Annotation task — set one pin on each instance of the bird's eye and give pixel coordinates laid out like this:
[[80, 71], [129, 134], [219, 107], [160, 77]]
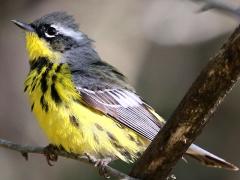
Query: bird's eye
[[51, 32]]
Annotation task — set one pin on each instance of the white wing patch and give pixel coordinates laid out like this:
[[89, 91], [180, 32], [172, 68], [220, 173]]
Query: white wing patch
[[114, 97], [126, 107]]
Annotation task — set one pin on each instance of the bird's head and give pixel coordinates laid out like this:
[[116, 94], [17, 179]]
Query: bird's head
[[52, 36]]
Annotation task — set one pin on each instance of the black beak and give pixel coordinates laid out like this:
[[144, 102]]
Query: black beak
[[23, 25]]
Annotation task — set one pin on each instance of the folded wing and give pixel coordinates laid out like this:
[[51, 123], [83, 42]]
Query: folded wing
[[125, 107]]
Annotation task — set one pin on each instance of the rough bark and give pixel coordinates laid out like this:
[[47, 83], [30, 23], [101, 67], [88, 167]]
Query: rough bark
[[186, 123]]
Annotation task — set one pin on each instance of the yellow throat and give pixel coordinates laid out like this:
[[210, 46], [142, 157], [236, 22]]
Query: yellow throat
[[37, 47]]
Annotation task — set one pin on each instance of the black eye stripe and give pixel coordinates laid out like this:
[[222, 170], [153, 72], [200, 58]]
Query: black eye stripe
[[45, 31], [55, 37]]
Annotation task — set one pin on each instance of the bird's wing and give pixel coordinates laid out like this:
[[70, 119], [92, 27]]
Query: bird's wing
[[125, 107]]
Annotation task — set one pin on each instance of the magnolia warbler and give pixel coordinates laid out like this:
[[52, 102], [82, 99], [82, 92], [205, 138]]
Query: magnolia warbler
[[82, 103]]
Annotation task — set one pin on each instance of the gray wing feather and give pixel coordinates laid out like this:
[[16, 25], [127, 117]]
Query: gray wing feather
[[124, 106]]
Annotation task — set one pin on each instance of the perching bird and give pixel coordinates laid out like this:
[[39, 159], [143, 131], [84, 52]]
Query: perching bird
[[84, 104]]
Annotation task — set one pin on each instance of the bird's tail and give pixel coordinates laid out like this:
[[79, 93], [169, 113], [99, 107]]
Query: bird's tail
[[209, 159]]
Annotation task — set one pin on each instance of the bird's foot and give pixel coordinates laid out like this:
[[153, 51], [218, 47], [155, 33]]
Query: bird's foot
[[100, 164], [50, 153]]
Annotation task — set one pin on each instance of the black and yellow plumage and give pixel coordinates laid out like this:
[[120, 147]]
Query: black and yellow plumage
[[84, 104]]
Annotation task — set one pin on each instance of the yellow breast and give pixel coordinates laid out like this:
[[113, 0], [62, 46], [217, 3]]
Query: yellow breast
[[63, 116], [68, 122]]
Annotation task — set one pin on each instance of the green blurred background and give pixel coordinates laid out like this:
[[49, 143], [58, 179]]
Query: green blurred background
[[161, 45]]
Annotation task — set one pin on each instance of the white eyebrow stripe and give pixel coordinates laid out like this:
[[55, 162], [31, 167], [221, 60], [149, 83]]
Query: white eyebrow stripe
[[77, 35]]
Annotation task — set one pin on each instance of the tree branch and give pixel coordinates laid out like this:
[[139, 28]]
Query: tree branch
[[192, 114], [25, 149], [223, 6]]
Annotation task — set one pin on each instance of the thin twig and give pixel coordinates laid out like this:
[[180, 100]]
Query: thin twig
[[188, 120], [25, 149], [221, 5]]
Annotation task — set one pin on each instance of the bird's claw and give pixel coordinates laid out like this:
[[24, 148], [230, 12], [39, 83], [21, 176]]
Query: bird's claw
[[100, 164], [91, 159], [50, 154]]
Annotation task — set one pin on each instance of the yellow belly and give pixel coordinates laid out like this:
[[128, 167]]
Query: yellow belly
[[78, 128]]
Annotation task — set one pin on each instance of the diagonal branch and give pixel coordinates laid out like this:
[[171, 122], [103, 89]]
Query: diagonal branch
[[25, 149], [186, 123]]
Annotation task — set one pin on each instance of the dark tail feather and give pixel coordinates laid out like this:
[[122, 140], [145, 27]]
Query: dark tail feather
[[209, 159]]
